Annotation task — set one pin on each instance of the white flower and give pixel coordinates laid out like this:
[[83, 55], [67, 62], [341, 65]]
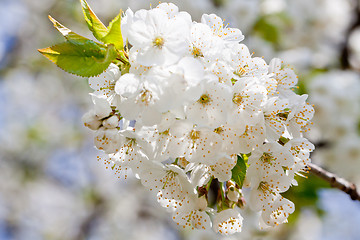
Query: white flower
[[157, 142], [191, 102], [136, 67], [128, 19], [158, 39], [192, 214], [203, 43], [285, 77], [252, 138], [275, 115], [111, 122], [177, 85], [108, 140], [265, 188], [227, 222], [211, 108], [173, 11], [104, 84], [229, 35], [131, 150], [128, 85], [270, 158], [247, 98], [198, 145], [230, 137], [240, 138], [102, 107], [222, 168], [170, 9], [243, 64], [140, 101], [277, 213], [300, 148], [170, 180], [220, 68], [199, 174], [299, 115], [91, 121]]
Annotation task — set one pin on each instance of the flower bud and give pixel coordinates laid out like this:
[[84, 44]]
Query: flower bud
[[233, 195], [202, 203], [91, 121], [101, 107], [241, 202], [111, 122], [108, 140]]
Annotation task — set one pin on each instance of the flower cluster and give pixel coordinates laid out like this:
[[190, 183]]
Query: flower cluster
[[195, 109]]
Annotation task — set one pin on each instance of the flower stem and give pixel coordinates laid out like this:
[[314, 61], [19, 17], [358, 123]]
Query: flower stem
[[335, 181]]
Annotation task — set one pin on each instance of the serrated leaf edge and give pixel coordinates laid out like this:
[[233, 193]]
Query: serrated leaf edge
[[90, 20], [42, 51], [66, 32]]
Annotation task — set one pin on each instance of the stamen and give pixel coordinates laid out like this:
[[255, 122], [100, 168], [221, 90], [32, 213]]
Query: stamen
[[159, 42]]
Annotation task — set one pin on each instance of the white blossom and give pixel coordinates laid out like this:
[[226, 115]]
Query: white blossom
[[158, 39], [194, 107], [227, 222]]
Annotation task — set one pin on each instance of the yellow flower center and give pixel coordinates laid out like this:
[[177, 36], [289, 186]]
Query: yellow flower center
[[237, 99], [204, 99], [241, 71], [158, 42], [194, 135], [218, 130], [196, 52], [266, 158]]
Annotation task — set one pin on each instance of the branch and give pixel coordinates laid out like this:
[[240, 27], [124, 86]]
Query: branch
[[335, 181]]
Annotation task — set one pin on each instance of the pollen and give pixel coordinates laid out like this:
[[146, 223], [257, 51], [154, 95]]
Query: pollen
[[159, 42], [204, 99], [196, 52], [194, 135], [237, 99]]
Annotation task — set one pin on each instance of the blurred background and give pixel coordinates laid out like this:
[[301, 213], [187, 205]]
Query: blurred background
[[51, 185]]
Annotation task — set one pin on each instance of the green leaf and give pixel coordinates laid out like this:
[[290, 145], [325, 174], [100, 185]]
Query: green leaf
[[113, 35], [107, 35], [85, 58], [239, 172], [67, 33], [95, 25]]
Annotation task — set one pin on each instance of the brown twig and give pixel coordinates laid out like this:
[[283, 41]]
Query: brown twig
[[335, 181]]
